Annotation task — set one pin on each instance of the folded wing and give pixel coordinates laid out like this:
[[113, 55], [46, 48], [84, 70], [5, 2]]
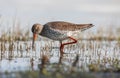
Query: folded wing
[[66, 26]]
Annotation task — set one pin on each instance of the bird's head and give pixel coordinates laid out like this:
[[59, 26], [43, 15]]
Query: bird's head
[[36, 29]]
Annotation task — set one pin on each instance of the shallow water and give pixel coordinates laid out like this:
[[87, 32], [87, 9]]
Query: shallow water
[[19, 56]]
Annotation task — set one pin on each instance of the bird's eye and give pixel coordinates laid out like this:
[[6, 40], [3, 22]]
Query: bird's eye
[[34, 31]]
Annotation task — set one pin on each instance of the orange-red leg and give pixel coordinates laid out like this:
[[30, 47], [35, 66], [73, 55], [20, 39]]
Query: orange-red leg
[[62, 47]]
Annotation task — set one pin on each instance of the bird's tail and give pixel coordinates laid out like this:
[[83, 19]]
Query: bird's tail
[[83, 27]]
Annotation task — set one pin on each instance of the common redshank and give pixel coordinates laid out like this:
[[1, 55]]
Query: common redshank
[[58, 30]]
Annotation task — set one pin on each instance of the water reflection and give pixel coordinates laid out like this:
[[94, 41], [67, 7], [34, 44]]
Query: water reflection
[[21, 57]]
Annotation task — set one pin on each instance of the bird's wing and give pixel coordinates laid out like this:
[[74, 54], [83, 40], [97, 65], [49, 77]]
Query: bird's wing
[[66, 26]]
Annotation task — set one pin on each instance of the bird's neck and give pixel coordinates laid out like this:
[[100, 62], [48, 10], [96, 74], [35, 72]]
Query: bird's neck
[[41, 30]]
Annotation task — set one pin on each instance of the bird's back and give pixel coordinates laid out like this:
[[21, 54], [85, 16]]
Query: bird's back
[[67, 26]]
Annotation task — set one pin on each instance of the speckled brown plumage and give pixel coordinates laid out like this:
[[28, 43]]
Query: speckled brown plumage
[[66, 26], [59, 30]]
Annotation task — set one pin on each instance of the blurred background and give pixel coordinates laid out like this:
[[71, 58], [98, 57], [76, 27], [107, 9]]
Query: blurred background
[[25, 13], [98, 48]]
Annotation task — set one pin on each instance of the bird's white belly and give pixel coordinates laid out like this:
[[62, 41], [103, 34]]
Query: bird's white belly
[[72, 33]]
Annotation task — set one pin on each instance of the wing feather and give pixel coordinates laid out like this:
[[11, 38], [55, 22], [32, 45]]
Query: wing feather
[[66, 26]]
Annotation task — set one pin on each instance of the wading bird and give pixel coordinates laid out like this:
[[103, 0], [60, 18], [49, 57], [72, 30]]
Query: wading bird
[[58, 30]]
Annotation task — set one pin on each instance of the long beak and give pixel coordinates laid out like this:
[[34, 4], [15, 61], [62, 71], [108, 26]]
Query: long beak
[[34, 38]]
